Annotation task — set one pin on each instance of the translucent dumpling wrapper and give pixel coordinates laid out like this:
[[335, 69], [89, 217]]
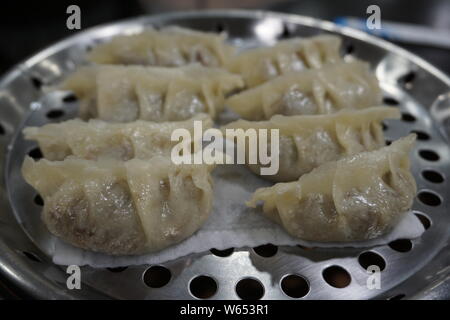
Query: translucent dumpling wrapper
[[99, 139], [306, 142], [128, 93], [262, 64], [121, 208], [357, 198], [170, 47], [327, 90]]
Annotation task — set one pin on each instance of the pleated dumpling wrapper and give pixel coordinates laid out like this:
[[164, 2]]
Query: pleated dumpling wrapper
[[330, 89], [169, 47], [262, 64], [121, 208], [98, 139], [129, 93], [357, 198], [306, 142]]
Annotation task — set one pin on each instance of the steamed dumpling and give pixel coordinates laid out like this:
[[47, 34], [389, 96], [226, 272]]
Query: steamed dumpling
[[170, 47], [98, 139], [306, 142], [128, 93], [121, 208], [356, 198], [323, 91], [262, 64]]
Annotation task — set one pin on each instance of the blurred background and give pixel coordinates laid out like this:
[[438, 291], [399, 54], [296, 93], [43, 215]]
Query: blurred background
[[27, 27]]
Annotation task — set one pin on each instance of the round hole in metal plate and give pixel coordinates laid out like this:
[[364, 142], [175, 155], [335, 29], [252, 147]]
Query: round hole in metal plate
[[336, 276], [429, 155], [266, 250], [407, 117], [35, 153], [55, 114], [390, 101], [31, 256], [220, 27], [203, 287], [70, 98], [429, 198], [286, 33], [38, 200], [433, 176], [426, 222], [117, 269], [401, 245], [222, 253], [36, 82], [407, 79], [421, 135], [295, 286], [157, 276], [349, 48], [249, 289], [370, 258]]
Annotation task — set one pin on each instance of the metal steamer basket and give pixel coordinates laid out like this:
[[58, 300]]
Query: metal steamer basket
[[410, 269]]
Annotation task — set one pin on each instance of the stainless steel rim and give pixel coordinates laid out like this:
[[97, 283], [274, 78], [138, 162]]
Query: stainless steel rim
[[45, 280]]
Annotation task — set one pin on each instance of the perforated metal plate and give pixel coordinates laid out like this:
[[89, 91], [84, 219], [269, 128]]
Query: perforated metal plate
[[417, 268]]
